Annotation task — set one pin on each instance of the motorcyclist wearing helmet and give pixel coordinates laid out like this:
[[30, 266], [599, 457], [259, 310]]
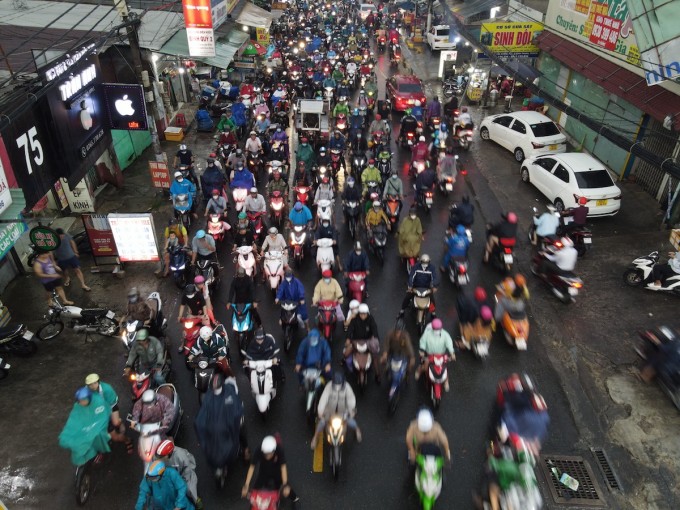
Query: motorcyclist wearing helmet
[[362, 100], [370, 174], [420, 151], [410, 234], [305, 153], [363, 327], [464, 119], [183, 157], [394, 186], [462, 213], [504, 229], [244, 235], [203, 289], [511, 296], [356, 124], [212, 178], [277, 183], [216, 204], [398, 345], [352, 312], [291, 289], [375, 217], [341, 107], [343, 86], [153, 408], [300, 215], [254, 202], [86, 430], [378, 125], [313, 352], [351, 192], [242, 291], [417, 110], [546, 224], [324, 191], [434, 109], [425, 181], [163, 487], [337, 142], [272, 474], [561, 261], [424, 430], [435, 340], [275, 242], [447, 166], [327, 289], [578, 216], [326, 230], [263, 348], [323, 158], [203, 248], [356, 261], [337, 398], [182, 186], [423, 276], [241, 177], [213, 344], [137, 309], [184, 463], [235, 158], [148, 353], [409, 124], [456, 247]]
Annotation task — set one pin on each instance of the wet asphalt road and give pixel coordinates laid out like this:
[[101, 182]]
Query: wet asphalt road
[[375, 474]]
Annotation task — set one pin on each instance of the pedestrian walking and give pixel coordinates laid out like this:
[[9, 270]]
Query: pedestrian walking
[[68, 258], [49, 273]]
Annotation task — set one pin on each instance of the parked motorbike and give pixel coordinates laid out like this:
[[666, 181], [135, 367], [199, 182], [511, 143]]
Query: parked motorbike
[[648, 348], [179, 265], [437, 376], [327, 318], [82, 320], [564, 284], [151, 434], [245, 258], [640, 274], [261, 380], [17, 340]]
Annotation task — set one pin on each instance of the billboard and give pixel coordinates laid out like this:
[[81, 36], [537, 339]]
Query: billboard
[[515, 39], [605, 24], [125, 107], [100, 235], [78, 115], [5, 195], [199, 25], [135, 237]]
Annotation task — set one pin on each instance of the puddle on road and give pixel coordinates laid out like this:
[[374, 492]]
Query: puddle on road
[[15, 485]]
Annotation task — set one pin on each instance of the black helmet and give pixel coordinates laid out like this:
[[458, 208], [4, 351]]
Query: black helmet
[[259, 334], [190, 290], [338, 379]]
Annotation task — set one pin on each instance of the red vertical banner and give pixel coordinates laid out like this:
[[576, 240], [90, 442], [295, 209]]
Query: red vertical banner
[[199, 26], [100, 235], [160, 174]]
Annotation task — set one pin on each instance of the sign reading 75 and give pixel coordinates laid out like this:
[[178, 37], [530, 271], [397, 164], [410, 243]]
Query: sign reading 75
[[33, 150]]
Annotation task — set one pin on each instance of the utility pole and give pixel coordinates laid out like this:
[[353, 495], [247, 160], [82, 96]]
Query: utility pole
[[142, 75]]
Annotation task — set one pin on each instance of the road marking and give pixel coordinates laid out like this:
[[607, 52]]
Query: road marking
[[317, 466]]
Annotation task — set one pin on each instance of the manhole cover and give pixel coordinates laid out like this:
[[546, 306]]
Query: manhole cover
[[586, 494]]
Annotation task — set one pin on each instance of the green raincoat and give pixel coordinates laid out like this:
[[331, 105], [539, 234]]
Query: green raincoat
[[85, 432]]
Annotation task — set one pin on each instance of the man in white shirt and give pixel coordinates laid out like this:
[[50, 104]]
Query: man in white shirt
[[253, 144], [255, 203], [561, 261]]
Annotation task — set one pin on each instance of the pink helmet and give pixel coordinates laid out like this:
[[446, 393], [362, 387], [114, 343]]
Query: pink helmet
[[437, 324], [486, 314]]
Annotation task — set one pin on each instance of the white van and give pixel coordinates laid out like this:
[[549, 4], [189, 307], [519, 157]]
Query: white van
[[365, 10]]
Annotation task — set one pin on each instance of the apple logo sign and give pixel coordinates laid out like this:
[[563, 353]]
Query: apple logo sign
[[124, 106], [85, 116]]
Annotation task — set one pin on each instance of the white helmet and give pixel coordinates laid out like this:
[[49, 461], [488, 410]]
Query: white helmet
[[425, 421], [268, 445], [148, 396], [363, 308], [418, 103], [421, 139], [205, 332], [354, 304]]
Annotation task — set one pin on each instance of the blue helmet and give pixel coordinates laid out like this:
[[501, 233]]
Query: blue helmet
[[442, 128], [460, 230], [200, 234], [298, 206], [314, 333], [83, 393], [356, 111], [156, 468]]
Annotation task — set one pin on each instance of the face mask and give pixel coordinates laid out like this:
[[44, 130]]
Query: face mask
[[395, 177], [327, 280], [215, 197], [289, 279], [217, 391], [413, 216], [326, 224], [180, 179], [424, 266], [358, 252], [304, 145], [314, 341], [350, 184]]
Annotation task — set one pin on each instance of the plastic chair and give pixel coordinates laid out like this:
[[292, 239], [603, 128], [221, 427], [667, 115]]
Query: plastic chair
[[180, 120]]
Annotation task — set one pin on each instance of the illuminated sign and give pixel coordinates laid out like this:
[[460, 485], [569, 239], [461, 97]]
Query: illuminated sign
[[511, 38], [199, 26], [135, 237], [125, 106]]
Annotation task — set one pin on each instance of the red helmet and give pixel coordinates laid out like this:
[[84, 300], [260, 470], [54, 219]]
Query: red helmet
[[582, 201], [327, 273], [215, 191], [165, 448], [511, 217], [480, 294]]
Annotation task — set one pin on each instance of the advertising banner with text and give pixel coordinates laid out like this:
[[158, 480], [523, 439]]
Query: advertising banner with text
[[100, 235], [135, 237], [199, 25], [511, 38]]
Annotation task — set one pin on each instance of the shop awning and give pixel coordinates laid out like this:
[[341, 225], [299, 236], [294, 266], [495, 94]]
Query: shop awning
[[226, 46], [254, 16], [655, 101], [471, 8]]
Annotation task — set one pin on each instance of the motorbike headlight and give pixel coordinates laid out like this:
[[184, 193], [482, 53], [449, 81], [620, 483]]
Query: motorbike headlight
[[202, 364], [336, 424]]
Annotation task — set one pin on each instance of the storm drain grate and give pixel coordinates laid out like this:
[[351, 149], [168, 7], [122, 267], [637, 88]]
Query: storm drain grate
[[586, 494], [606, 467]]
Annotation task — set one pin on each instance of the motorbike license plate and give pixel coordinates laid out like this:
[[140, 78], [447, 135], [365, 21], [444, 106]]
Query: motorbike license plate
[[28, 335], [553, 147], [572, 291], [110, 314], [449, 186], [587, 240], [462, 279], [428, 201], [521, 344], [507, 258], [601, 202]]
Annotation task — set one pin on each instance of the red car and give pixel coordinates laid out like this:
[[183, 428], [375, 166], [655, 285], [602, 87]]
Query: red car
[[404, 90]]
